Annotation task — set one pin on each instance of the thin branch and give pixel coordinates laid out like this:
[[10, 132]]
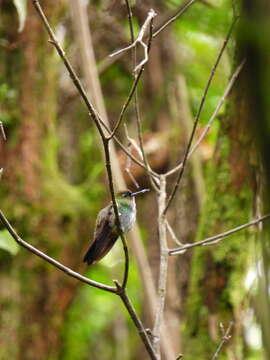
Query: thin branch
[[52, 261], [141, 330], [172, 233], [216, 238], [197, 118], [221, 102], [125, 106], [128, 153], [129, 12], [174, 17], [163, 270], [128, 160], [213, 116], [139, 39], [225, 338]]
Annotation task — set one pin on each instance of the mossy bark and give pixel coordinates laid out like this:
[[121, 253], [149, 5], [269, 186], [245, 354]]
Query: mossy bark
[[38, 199], [217, 290]]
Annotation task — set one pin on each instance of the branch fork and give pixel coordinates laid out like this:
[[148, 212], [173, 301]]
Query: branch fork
[[139, 40]]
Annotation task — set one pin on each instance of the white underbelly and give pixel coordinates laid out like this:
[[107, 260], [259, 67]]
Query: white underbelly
[[127, 219]]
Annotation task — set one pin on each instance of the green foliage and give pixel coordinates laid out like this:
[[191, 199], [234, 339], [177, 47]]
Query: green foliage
[[122, 81], [7, 243], [201, 32], [92, 317], [7, 103]]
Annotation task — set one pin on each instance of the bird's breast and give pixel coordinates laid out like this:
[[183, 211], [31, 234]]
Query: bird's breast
[[127, 214]]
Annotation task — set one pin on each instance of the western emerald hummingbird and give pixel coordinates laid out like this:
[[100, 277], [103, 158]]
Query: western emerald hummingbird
[[106, 231]]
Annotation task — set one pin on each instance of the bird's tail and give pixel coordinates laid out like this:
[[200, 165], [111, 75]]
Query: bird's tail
[[99, 248], [89, 257]]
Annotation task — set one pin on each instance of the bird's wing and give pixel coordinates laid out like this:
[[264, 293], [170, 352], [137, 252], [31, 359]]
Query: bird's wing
[[104, 236]]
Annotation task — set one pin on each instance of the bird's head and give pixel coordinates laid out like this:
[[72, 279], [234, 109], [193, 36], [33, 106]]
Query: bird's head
[[127, 194]]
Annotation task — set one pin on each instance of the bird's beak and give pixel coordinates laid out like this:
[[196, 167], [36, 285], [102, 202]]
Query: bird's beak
[[139, 192]]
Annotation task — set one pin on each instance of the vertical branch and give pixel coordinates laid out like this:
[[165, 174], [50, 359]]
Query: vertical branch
[[162, 233]]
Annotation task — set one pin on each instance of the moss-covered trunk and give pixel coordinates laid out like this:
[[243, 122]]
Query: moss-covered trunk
[[36, 296], [218, 271]]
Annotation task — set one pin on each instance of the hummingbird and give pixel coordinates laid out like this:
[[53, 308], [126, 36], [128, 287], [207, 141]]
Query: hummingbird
[[106, 230]]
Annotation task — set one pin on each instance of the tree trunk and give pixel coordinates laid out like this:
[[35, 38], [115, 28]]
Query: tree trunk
[[218, 271]]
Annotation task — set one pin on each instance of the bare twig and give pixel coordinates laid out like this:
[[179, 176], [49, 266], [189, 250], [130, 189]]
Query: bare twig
[[221, 102], [52, 261], [174, 237], [140, 67], [139, 39], [141, 330], [128, 171], [214, 239], [154, 181], [129, 12], [133, 143], [197, 118], [125, 106], [128, 153], [2, 130], [225, 338], [85, 43], [174, 17], [212, 118], [163, 265], [128, 160], [171, 18]]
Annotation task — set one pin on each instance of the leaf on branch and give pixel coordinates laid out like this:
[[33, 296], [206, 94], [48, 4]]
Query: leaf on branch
[[8, 243], [21, 10]]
